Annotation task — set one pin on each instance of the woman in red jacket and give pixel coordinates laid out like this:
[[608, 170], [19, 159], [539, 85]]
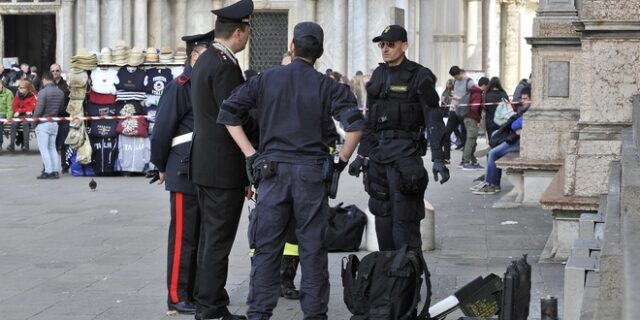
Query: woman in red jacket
[[24, 103]]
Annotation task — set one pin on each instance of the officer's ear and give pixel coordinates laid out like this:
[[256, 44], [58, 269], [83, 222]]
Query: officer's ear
[[292, 48], [405, 46]]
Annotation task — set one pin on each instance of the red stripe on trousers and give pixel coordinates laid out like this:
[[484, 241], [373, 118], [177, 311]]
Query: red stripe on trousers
[[177, 250]]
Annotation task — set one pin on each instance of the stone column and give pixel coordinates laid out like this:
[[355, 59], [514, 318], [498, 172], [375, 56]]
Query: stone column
[[1, 38], [310, 9], [80, 23], [111, 22], [339, 36], [448, 37], [473, 52], [127, 15], [65, 34], [154, 30], [511, 44], [140, 24], [92, 25], [358, 39], [180, 23], [215, 4], [426, 33]]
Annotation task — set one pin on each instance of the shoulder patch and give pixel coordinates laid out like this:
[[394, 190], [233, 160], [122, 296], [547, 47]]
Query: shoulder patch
[[221, 56]]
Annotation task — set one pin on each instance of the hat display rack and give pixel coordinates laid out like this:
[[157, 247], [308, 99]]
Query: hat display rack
[[122, 55]]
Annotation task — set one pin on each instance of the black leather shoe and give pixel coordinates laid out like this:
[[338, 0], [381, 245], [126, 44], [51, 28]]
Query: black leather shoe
[[44, 175], [183, 307], [227, 317], [54, 175]]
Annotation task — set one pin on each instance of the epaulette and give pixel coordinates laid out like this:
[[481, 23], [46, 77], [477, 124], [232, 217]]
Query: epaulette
[[183, 79], [221, 56]]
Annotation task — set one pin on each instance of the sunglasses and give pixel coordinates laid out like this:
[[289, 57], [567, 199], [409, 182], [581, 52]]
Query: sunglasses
[[389, 44]]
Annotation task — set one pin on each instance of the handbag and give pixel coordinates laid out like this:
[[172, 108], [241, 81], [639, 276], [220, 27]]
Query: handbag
[[504, 111], [346, 226]]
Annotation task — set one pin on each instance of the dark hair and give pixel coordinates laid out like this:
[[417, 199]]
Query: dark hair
[[494, 83], [308, 47], [526, 90], [47, 75], [224, 30], [483, 81], [329, 71], [455, 70], [359, 73]]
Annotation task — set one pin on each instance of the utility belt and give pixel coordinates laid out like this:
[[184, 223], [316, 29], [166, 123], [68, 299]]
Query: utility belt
[[400, 134], [183, 138]]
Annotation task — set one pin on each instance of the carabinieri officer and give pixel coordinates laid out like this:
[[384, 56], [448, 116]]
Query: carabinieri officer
[[216, 162], [293, 103], [169, 153]]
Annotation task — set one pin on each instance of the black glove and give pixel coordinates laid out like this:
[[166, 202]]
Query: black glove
[[356, 166], [249, 161], [154, 175], [440, 168]]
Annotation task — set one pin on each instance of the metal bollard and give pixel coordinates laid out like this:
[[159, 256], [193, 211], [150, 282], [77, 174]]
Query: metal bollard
[[428, 227], [549, 308]]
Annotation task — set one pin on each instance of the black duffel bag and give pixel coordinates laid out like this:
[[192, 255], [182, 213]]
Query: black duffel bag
[[346, 226], [386, 285]]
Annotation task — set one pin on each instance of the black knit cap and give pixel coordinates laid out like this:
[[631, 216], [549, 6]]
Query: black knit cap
[[238, 12]]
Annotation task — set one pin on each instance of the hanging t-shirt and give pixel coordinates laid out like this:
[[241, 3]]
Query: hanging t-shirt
[[131, 79], [104, 81], [157, 79], [133, 153], [103, 128], [104, 155]]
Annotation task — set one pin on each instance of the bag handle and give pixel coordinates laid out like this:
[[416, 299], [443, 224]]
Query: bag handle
[[424, 314]]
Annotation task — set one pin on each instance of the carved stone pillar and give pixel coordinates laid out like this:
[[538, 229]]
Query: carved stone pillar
[[92, 25], [155, 18], [111, 22], [127, 15], [140, 24], [511, 43], [65, 34], [358, 40], [473, 43], [80, 23], [339, 35], [216, 4], [180, 22]]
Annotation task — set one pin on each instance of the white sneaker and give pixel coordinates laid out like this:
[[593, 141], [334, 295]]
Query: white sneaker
[[478, 186]]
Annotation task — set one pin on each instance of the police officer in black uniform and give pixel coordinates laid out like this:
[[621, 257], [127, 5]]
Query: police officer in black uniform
[[169, 153], [293, 103], [402, 102], [216, 162]]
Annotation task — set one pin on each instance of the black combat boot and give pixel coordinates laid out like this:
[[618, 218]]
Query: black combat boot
[[288, 269]]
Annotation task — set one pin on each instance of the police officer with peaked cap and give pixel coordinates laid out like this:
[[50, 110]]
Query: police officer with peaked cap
[[402, 102], [294, 103], [169, 152], [216, 162]]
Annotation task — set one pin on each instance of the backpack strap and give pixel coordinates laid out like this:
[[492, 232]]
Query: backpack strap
[[424, 314]]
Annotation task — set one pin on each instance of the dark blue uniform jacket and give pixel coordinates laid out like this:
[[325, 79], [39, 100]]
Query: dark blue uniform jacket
[[174, 118], [294, 104]]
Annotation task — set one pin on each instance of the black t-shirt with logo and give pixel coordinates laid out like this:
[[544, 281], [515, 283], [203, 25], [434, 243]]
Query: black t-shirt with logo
[[157, 79]]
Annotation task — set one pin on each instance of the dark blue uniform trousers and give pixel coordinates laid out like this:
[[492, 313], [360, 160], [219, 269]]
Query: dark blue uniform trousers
[[397, 219], [297, 190]]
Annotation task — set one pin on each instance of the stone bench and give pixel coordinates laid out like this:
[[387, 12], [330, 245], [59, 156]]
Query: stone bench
[[529, 178]]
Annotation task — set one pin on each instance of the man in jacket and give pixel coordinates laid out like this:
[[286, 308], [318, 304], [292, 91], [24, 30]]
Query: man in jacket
[[6, 109], [50, 99], [472, 124], [169, 153], [63, 129], [402, 102], [216, 163]]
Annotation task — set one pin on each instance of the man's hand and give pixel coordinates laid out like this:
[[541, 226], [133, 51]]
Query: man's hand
[[249, 161], [440, 168], [248, 192], [356, 166], [153, 175], [161, 177], [341, 164]]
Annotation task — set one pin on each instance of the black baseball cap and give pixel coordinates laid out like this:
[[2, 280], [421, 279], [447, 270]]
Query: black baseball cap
[[392, 33], [197, 39], [238, 12], [311, 29]]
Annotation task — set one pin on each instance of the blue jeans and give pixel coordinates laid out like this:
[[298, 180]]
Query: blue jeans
[[46, 133], [494, 173]]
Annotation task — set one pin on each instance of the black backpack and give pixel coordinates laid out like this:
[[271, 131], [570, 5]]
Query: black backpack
[[516, 293], [346, 226], [386, 285]]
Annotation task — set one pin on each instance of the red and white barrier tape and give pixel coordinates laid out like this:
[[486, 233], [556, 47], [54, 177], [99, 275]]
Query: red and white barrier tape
[[52, 119]]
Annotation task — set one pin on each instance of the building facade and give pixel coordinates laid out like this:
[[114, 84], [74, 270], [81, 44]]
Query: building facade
[[486, 36]]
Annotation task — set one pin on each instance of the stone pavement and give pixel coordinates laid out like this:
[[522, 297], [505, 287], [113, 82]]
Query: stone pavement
[[70, 254]]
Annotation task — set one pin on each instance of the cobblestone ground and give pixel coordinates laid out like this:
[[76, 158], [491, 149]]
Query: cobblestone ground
[[70, 254]]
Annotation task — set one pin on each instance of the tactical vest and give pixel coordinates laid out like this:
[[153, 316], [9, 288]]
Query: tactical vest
[[395, 111]]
